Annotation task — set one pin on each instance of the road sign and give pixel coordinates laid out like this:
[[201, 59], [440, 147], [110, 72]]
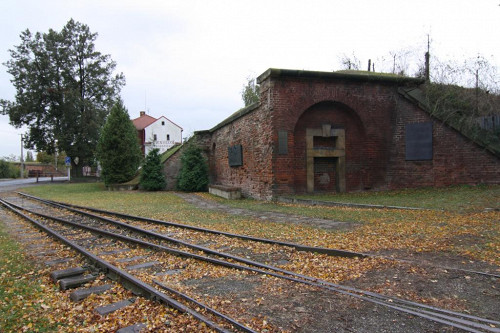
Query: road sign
[[67, 160]]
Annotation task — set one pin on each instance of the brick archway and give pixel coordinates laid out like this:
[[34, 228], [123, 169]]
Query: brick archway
[[329, 144], [325, 147]]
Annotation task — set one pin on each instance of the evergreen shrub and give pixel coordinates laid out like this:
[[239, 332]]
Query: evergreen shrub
[[118, 149], [193, 175], [152, 177]]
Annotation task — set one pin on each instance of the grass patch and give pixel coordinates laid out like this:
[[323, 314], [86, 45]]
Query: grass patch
[[378, 229], [21, 293], [455, 198]]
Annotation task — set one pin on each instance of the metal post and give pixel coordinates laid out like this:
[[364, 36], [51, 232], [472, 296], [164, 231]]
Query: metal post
[[55, 153], [22, 159]]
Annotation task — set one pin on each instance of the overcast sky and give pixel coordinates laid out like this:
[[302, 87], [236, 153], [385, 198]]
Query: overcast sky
[[189, 60]]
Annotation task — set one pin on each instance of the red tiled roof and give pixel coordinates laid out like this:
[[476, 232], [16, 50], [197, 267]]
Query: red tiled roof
[[143, 121]]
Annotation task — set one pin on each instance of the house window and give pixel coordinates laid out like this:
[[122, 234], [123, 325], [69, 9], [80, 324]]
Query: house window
[[168, 137], [154, 137], [163, 123]]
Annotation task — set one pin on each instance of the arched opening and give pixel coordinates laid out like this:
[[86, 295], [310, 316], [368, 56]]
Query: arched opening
[[329, 142]]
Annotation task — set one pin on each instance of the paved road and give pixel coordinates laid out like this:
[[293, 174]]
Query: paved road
[[12, 184]]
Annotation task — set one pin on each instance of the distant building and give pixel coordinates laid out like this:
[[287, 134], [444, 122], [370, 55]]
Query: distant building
[[159, 133]]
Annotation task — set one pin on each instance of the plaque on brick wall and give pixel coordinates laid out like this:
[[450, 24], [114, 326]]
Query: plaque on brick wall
[[282, 142], [235, 155], [418, 140]]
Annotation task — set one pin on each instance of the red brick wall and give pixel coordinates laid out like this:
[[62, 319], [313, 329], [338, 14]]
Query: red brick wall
[[373, 115], [456, 159], [254, 133], [364, 110]]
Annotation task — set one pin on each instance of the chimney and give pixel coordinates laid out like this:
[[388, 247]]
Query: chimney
[[142, 113]]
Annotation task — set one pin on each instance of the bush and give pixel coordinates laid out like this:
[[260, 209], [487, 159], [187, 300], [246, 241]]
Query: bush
[[193, 176], [152, 177], [9, 170]]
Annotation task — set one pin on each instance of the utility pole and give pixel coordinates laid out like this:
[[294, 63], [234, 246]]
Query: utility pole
[[55, 153], [22, 158], [427, 61]]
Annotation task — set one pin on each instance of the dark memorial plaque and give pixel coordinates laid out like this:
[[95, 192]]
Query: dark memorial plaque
[[235, 155], [282, 142], [419, 141]]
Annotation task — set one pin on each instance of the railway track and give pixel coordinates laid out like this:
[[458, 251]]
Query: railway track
[[170, 248]]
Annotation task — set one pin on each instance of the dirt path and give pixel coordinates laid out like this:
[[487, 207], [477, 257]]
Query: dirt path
[[200, 202]]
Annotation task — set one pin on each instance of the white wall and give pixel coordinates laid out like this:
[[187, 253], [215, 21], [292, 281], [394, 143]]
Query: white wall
[[167, 135]]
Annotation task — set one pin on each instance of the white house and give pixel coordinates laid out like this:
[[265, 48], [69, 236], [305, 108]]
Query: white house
[[160, 133]]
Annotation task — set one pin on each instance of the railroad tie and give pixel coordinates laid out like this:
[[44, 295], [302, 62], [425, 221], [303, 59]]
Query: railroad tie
[[58, 261], [64, 273], [169, 272], [76, 281], [105, 309], [132, 329], [131, 259], [82, 293], [143, 265]]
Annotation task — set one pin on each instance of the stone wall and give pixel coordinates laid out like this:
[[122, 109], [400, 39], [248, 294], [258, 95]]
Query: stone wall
[[171, 169]]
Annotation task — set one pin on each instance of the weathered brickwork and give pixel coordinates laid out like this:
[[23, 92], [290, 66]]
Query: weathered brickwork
[[456, 159], [254, 133], [373, 114]]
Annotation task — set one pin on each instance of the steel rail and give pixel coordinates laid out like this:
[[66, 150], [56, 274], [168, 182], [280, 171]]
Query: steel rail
[[270, 267], [146, 289], [298, 247], [414, 308]]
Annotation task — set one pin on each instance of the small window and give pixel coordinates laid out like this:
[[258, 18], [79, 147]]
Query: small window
[[154, 137], [168, 137], [163, 123]]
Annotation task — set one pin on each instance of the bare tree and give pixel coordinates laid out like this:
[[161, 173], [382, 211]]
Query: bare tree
[[350, 62]]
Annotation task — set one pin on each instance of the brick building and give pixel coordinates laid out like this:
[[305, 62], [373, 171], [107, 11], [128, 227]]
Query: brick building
[[336, 132]]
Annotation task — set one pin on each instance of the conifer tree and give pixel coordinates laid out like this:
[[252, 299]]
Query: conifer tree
[[193, 176], [118, 149], [152, 178], [65, 89]]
